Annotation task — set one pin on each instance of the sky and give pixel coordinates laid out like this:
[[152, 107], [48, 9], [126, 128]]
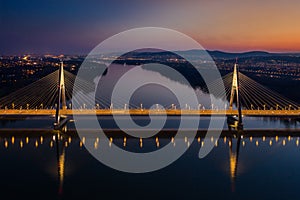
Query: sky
[[77, 26]]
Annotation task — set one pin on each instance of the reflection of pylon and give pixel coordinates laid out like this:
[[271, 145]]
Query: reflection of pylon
[[235, 90], [61, 93], [234, 159], [60, 155]]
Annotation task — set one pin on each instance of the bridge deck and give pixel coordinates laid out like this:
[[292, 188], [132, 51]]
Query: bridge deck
[[152, 112]]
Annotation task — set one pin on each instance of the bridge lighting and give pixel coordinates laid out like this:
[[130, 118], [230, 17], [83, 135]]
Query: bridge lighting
[[125, 106], [124, 141], [97, 106], [141, 142], [13, 106], [264, 107], [141, 106], [36, 144], [27, 106], [70, 106], [95, 145], [277, 106]]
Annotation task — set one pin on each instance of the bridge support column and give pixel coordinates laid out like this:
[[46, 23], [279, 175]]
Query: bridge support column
[[61, 100], [235, 92]]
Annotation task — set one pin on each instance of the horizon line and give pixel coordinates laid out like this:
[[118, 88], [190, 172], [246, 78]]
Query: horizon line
[[208, 50]]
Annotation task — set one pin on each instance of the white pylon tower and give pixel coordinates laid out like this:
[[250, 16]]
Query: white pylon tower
[[62, 87], [235, 92], [61, 93]]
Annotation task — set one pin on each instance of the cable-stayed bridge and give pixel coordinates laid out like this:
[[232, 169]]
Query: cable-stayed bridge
[[51, 95]]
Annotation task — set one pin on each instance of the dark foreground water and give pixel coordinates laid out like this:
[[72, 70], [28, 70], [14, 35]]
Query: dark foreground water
[[252, 164]]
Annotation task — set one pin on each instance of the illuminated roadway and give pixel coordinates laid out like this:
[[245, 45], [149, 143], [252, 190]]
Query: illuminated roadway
[[100, 112]]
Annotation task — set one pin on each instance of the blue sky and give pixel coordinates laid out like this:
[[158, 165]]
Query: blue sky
[[52, 26]]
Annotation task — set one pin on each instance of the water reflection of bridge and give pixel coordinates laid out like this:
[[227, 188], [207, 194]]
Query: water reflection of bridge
[[234, 142]]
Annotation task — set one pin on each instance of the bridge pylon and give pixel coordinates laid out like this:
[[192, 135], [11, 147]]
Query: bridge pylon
[[61, 100], [236, 93]]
